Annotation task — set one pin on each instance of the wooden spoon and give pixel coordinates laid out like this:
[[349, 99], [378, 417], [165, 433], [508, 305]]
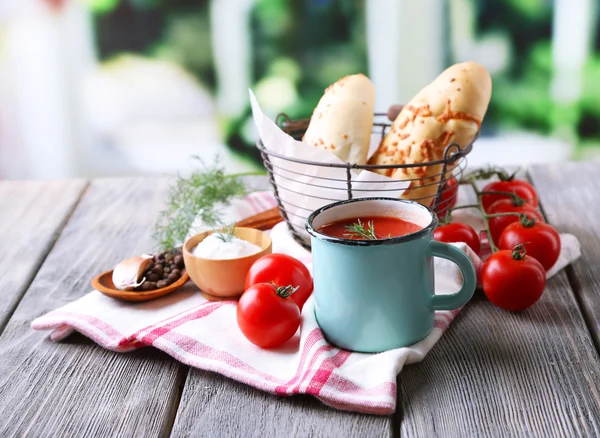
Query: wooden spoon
[[262, 221], [103, 283]]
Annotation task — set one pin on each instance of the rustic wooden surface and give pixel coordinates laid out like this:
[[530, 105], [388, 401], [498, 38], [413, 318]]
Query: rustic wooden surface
[[31, 215], [493, 373], [496, 373], [76, 388], [571, 194], [214, 406]]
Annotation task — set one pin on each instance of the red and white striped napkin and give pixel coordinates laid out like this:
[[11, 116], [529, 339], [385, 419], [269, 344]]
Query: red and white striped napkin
[[205, 334]]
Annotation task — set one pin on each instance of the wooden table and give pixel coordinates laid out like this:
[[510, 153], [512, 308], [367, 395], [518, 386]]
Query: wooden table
[[493, 373]]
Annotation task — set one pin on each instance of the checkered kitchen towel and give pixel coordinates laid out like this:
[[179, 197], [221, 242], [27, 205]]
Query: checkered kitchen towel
[[205, 335]]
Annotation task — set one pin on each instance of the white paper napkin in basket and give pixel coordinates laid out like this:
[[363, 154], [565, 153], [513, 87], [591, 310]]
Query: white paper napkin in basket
[[304, 188], [205, 334]]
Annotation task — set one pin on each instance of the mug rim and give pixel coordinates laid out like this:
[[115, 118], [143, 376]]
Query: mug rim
[[391, 241]]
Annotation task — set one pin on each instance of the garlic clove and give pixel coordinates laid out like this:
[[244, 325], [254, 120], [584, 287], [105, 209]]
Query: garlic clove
[[127, 274]]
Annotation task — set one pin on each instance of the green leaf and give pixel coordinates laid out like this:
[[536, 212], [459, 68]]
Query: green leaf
[[101, 6]]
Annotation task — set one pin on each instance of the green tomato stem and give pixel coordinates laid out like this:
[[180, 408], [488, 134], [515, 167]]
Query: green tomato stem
[[285, 291], [486, 224], [471, 178], [509, 213], [448, 216], [527, 221], [487, 174], [519, 252], [516, 199], [460, 207]]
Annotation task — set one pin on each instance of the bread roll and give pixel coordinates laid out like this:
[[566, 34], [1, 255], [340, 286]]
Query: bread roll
[[448, 110], [342, 121]]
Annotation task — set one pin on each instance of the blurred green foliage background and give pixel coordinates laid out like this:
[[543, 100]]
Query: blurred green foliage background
[[301, 47]]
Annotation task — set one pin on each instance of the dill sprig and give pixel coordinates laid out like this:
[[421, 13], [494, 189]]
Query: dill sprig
[[226, 233], [202, 194], [358, 229]]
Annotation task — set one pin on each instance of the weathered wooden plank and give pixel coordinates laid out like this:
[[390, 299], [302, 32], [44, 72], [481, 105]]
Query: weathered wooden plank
[[571, 192], [496, 373], [215, 406], [76, 388], [31, 215]]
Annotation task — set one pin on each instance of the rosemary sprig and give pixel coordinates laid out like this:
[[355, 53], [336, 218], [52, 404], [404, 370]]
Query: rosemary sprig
[[358, 229], [202, 195], [226, 233]]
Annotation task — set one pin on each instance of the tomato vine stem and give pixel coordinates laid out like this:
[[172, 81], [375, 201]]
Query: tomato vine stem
[[460, 207], [486, 217], [471, 180], [486, 224], [508, 213], [489, 172], [516, 199]]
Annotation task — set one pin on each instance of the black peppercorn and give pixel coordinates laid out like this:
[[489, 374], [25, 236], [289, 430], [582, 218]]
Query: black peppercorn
[[165, 269], [144, 286]]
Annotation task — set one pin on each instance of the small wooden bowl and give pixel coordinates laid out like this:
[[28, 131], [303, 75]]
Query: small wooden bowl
[[103, 283], [223, 279]]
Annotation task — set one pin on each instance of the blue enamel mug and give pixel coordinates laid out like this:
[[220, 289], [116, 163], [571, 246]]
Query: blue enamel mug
[[376, 295]]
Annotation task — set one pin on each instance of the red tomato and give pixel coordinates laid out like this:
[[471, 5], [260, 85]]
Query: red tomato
[[542, 240], [457, 232], [512, 280], [448, 197], [498, 224], [282, 270], [517, 186], [267, 315]]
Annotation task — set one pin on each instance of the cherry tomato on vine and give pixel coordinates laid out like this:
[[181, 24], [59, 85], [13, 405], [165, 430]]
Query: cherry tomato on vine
[[498, 224], [448, 197], [267, 315], [458, 232], [543, 241], [518, 186], [513, 280], [282, 270]]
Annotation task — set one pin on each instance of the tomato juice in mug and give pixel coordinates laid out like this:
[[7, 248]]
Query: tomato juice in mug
[[373, 273], [369, 228]]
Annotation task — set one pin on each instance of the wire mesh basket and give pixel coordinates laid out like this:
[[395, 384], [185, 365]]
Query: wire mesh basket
[[283, 169]]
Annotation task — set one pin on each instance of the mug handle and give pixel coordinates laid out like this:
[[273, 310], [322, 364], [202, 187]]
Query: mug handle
[[460, 298]]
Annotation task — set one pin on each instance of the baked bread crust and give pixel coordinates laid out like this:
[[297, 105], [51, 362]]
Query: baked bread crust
[[448, 110], [343, 119]]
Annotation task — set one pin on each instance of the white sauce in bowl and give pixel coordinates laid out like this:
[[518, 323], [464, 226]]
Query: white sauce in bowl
[[214, 248]]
